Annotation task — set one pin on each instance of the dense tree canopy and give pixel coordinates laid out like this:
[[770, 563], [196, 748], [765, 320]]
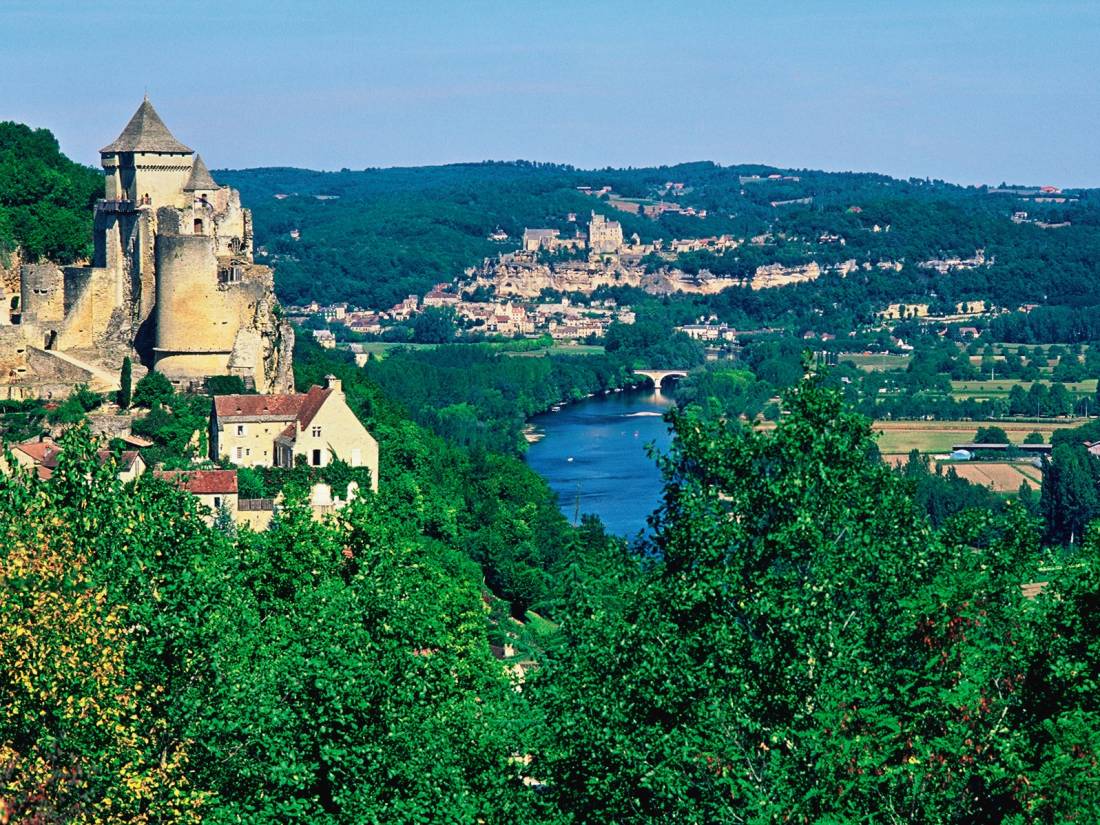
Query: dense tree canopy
[[806, 649], [45, 199]]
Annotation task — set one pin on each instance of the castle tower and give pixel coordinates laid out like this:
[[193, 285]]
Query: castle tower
[[172, 280], [146, 164]]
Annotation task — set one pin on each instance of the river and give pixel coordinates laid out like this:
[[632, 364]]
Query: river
[[592, 454]]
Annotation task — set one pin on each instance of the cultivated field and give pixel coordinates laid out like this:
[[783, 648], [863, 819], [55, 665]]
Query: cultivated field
[[1001, 389], [1000, 476], [561, 349], [899, 437], [875, 363], [379, 348]]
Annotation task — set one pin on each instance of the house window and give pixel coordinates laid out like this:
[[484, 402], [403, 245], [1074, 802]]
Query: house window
[[316, 458], [217, 502], [316, 432], [198, 226], [240, 429], [240, 452], [248, 451]]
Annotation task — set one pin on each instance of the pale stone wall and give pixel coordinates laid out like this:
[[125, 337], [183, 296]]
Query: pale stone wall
[[42, 294], [193, 314], [161, 177], [247, 443], [255, 520], [336, 432], [215, 501]]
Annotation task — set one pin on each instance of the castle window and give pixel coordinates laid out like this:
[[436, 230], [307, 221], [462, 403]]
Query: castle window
[[198, 226]]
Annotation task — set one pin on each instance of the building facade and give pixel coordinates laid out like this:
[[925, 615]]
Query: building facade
[[275, 430], [604, 237]]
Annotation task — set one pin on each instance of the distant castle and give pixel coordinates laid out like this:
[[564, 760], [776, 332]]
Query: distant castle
[[172, 284]]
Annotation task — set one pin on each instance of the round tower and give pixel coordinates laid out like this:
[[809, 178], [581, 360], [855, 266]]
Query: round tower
[[196, 317]]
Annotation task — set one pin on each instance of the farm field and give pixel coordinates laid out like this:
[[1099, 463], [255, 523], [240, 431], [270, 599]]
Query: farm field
[[899, 437], [560, 349], [379, 348], [1001, 389], [875, 363], [1000, 476]]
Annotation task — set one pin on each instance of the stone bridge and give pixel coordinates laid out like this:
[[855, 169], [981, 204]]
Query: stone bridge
[[658, 377]]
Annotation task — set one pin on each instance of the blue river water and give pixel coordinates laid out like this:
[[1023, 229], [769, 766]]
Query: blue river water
[[593, 456]]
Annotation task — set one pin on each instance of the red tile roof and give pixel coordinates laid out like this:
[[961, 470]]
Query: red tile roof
[[302, 406], [314, 399], [276, 406], [41, 452], [202, 482]]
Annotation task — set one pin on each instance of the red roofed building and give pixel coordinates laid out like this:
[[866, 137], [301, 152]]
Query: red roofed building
[[42, 454], [213, 488], [274, 430]]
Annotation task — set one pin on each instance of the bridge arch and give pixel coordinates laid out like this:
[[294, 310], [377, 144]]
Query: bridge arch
[[659, 377]]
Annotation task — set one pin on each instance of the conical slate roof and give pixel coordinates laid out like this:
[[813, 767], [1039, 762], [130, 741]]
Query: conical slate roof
[[200, 179], [146, 132]]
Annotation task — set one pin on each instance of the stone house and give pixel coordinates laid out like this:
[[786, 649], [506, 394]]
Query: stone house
[[42, 454], [213, 488], [273, 430]]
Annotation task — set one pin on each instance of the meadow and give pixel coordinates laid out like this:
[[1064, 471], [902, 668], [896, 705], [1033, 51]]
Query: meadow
[[899, 437]]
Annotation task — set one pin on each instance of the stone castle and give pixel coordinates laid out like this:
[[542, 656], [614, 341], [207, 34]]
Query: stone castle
[[172, 284]]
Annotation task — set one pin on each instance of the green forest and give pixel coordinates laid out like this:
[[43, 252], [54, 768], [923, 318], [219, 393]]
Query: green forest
[[45, 199], [371, 237], [797, 640]]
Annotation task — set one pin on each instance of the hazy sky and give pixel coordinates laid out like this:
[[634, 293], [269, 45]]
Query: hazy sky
[[969, 90]]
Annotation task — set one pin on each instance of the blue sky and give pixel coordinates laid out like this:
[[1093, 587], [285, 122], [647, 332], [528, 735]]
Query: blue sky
[[969, 91]]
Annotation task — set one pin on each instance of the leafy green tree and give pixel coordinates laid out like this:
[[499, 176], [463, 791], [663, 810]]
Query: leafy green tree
[[435, 325], [81, 736], [1069, 497], [125, 384], [991, 435], [225, 385], [153, 389]]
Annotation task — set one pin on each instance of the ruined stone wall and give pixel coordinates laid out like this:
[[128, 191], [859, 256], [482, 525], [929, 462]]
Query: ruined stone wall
[[264, 346], [13, 362], [10, 286], [77, 331], [42, 294], [28, 372], [232, 226]]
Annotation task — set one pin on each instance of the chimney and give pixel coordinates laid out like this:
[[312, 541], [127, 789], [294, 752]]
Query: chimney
[[333, 383]]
